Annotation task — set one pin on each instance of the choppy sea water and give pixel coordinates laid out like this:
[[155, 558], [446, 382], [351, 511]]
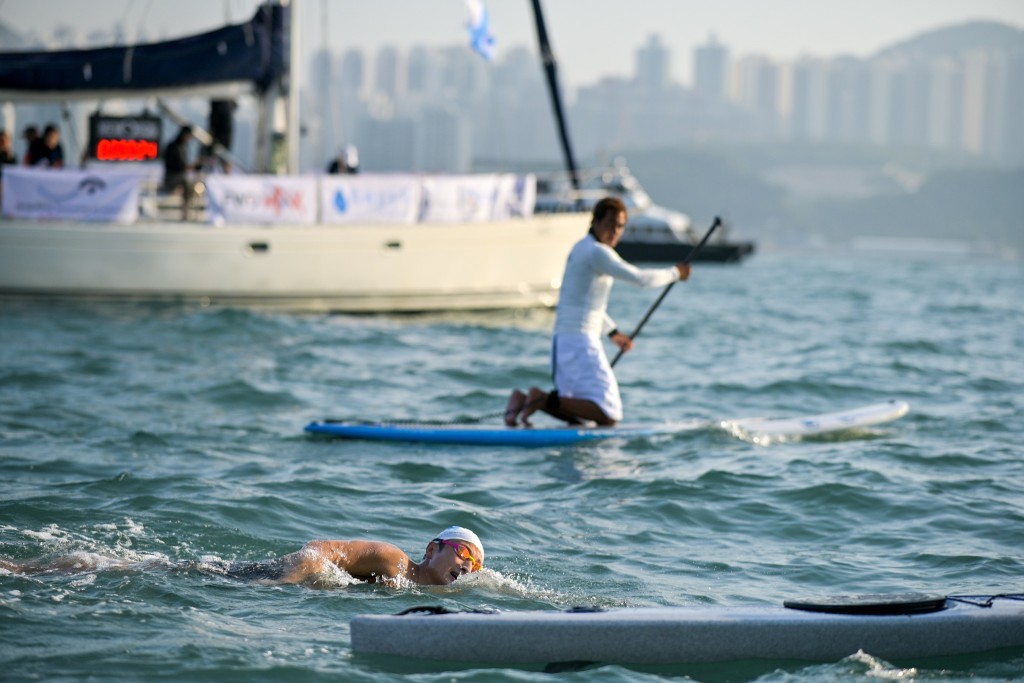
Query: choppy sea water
[[142, 444]]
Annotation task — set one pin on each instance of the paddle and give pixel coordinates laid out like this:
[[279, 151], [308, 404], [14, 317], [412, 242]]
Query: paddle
[[689, 257]]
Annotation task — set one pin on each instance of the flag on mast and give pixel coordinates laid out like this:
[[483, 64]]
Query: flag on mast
[[479, 25]]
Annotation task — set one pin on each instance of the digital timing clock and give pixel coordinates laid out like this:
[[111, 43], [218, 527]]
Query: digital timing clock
[[124, 138]]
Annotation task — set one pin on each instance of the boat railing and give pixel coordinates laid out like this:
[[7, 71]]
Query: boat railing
[[556, 191], [156, 203]]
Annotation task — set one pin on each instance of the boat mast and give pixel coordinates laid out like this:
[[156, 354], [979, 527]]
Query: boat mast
[[551, 70], [292, 131], [277, 146]]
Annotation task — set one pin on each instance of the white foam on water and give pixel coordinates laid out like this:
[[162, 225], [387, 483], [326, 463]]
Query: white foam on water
[[86, 580], [48, 533], [877, 668]]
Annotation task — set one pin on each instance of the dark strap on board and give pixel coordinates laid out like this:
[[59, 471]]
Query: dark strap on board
[[427, 609], [874, 605], [441, 609], [585, 609]]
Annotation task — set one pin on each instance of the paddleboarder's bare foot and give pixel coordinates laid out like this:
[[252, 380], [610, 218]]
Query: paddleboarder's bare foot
[[534, 401], [515, 405]]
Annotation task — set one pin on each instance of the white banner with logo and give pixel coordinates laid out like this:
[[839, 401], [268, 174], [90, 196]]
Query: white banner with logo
[[65, 194], [477, 198], [369, 198], [459, 198], [516, 196], [262, 199]]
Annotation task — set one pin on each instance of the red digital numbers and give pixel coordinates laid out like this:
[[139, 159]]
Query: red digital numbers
[[126, 150]]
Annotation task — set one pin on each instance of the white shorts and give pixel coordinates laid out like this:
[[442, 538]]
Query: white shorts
[[581, 370]]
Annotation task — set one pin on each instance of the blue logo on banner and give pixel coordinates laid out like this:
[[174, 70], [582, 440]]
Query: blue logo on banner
[[89, 185], [339, 202]]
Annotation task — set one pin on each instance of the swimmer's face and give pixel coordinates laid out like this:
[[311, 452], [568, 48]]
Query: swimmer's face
[[448, 560]]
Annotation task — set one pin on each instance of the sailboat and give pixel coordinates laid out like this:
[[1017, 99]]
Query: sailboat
[[492, 260]]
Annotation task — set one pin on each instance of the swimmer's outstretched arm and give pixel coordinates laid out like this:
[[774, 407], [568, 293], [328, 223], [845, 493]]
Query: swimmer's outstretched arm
[[365, 560], [12, 567]]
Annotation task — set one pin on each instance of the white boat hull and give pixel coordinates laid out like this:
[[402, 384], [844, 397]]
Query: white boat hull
[[514, 263]]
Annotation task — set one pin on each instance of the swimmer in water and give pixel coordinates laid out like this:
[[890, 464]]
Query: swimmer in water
[[452, 553]]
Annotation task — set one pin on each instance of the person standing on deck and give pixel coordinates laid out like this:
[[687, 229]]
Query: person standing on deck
[[585, 386], [177, 168], [46, 150], [31, 135]]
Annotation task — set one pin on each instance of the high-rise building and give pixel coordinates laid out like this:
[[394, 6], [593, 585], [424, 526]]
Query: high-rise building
[[847, 100], [353, 71], [1013, 146], [808, 100], [443, 136], [386, 74], [652, 61], [946, 104], [386, 145], [756, 86], [710, 69], [422, 74]]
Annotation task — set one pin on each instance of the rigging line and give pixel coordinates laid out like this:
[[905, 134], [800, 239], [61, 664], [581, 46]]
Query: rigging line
[[140, 23], [128, 7], [145, 12], [329, 120]]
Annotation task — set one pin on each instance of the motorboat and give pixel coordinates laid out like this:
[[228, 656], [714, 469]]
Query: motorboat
[[653, 233]]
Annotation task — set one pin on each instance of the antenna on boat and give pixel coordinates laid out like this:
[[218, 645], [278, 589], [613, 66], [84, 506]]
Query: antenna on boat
[[551, 70]]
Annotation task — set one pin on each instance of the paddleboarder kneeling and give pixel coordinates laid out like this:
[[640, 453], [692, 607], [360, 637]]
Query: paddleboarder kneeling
[[585, 386]]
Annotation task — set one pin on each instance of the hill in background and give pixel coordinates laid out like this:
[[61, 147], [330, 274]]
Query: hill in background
[[954, 41], [792, 192], [980, 205]]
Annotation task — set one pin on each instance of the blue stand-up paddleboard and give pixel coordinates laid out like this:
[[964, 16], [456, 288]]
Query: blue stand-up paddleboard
[[895, 630], [757, 430]]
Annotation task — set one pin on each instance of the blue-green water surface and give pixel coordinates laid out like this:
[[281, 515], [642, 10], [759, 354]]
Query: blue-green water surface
[[142, 443]]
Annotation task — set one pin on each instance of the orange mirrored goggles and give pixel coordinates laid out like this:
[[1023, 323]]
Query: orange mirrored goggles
[[463, 552]]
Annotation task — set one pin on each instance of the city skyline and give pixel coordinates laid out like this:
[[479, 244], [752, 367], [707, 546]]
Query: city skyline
[[586, 50], [965, 99], [442, 107]]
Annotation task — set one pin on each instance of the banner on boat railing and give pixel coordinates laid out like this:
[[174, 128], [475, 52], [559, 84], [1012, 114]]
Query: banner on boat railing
[[262, 199], [516, 196], [113, 196], [51, 194], [477, 198], [370, 198]]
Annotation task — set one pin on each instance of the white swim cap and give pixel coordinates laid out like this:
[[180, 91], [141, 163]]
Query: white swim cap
[[458, 533]]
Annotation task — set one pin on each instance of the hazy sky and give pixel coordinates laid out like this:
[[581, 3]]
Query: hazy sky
[[590, 37]]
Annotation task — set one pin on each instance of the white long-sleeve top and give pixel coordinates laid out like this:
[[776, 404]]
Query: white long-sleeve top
[[590, 271]]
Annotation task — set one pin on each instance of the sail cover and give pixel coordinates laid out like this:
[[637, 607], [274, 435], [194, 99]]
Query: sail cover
[[253, 52]]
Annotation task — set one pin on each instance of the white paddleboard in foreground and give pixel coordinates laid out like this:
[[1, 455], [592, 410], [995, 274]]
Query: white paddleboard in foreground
[[688, 635], [756, 430], [764, 430]]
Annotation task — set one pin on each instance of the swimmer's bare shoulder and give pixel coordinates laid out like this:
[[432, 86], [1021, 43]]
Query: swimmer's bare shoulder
[[372, 561]]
